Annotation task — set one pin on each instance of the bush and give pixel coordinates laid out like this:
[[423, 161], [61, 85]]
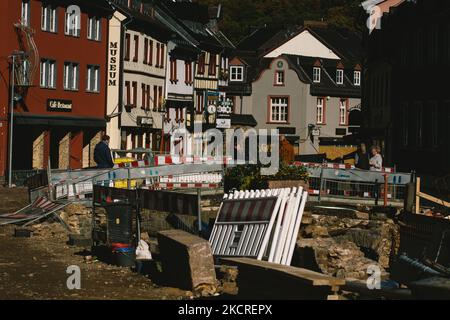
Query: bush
[[248, 177]]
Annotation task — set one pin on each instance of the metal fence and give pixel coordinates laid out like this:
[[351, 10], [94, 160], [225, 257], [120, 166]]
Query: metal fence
[[20, 177], [357, 184]]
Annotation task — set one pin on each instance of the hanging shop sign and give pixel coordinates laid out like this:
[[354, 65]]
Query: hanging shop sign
[[145, 121], [222, 123], [224, 111], [59, 105]]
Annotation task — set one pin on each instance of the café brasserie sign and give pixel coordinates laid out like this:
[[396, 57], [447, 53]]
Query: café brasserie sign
[[59, 105]]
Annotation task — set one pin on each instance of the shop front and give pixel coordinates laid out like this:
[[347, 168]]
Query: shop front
[[61, 141]]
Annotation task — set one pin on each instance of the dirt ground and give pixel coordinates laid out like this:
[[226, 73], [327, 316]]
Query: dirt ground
[[13, 199], [35, 268]]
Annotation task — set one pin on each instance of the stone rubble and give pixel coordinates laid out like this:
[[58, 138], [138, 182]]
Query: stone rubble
[[346, 247]]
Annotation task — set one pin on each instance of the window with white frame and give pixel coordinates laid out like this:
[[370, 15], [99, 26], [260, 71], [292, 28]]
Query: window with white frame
[[236, 73], [25, 14], [342, 111], [357, 78], [48, 73], [48, 18], [94, 28], [339, 76], [279, 109], [71, 76], [316, 74], [320, 118], [93, 78], [279, 78], [72, 23]]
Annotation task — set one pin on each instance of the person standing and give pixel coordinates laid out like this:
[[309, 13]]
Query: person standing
[[287, 155], [376, 162], [362, 158], [102, 154]]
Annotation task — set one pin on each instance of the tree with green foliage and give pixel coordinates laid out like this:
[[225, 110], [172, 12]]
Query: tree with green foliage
[[240, 16]]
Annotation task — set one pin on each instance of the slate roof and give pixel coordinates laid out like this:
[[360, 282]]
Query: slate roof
[[262, 39], [327, 86], [348, 45], [142, 22], [192, 18]]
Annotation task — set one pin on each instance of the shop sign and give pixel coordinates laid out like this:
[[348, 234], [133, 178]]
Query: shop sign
[[59, 105], [145, 121], [222, 123]]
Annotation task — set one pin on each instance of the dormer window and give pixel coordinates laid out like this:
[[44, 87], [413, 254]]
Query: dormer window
[[316, 74], [339, 76], [357, 78], [279, 78], [236, 73]]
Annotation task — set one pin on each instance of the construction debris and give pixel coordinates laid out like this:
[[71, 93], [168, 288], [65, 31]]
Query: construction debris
[[379, 240], [333, 257], [265, 280], [78, 217], [187, 262]]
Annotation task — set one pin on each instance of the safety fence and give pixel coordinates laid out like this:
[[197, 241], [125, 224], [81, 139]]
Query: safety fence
[[333, 181], [79, 184], [159, 209], [353, 189]]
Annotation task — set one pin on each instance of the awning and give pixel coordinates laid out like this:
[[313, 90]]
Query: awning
[[61, 121], [243, 120], [179, 103]]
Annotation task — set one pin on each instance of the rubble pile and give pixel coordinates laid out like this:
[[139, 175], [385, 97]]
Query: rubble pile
[[49, 230], [78, 217], [346, 247]]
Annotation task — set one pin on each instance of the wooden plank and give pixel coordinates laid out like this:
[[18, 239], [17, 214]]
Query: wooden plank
[[417, 207], [434, 199], [303, 275]]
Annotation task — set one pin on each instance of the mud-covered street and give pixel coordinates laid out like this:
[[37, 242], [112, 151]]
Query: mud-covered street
[[35, 268]]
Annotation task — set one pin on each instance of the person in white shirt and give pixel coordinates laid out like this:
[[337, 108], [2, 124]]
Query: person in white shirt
[[376, 162]]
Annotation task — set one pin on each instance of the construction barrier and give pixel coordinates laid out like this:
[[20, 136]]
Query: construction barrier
[[344, 181], [261, 224]]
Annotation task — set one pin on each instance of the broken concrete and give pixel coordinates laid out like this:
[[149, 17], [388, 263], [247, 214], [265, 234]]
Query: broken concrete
[[187, 261]]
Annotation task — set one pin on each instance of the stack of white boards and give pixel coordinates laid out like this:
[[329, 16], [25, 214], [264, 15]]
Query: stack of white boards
[[261, 224]]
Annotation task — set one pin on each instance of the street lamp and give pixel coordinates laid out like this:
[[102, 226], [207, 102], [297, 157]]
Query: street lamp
[[12, 99]]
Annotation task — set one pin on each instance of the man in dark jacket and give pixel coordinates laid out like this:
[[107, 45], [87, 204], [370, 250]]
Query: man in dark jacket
[[102, 154]]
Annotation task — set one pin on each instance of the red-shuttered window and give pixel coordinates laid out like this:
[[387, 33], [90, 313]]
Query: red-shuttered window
[[158, 53], [127, 47], [150, 57], [128, 93], [161, 60], [145, 51], [136, 48]]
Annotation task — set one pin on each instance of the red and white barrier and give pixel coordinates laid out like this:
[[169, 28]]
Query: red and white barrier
[[342, 166], [168, 160], [181, 185]]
